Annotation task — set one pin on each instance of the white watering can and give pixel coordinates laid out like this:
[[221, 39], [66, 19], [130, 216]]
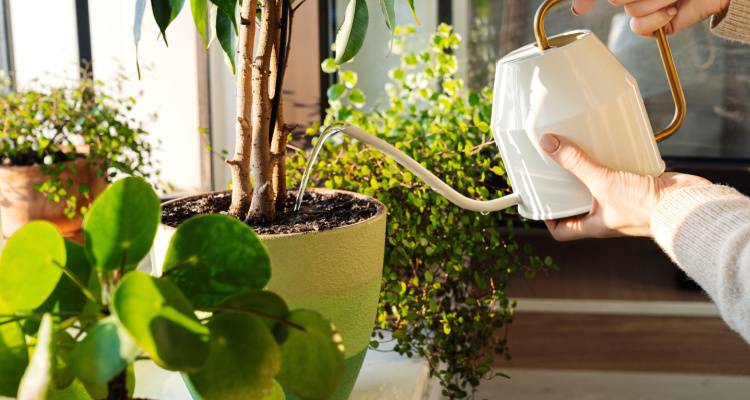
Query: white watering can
[[569, 84]]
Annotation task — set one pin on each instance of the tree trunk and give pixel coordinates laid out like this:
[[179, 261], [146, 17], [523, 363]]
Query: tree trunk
[[279, 59], [240, 162], [262, 208]]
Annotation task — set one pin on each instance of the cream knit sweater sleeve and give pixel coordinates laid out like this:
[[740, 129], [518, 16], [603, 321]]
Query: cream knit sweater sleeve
[[734, 23], [706, 231]]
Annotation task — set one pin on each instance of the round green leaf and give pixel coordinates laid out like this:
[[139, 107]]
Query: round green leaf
[[351, 34], [335, 92], [213, 257], [121, 225], [30, 265], [105, 351], [161, 321], [243, 360], [312, 359], [13, 357]]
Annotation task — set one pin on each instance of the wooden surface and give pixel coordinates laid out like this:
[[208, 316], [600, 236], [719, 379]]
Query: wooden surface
[[626, 343]]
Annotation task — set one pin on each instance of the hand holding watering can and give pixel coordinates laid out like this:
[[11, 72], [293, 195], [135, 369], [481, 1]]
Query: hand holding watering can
[[572, 84]]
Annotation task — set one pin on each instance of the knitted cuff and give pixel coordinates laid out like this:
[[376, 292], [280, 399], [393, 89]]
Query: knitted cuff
[[734, 23]]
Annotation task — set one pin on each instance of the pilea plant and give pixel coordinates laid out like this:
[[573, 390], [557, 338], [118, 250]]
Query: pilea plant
[[100, 315], [446, 269], [261, 134], [49, 126]]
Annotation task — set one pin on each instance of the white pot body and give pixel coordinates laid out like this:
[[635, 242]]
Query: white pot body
[[578, 90]]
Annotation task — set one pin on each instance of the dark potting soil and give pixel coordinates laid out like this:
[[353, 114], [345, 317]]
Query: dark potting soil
[[319, 212]]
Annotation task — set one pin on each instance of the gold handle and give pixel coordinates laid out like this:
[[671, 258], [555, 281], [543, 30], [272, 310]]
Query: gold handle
[[666, 57]]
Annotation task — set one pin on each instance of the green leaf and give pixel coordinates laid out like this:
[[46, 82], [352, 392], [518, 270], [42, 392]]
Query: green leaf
[[37, 379], [389, 13], [165, 11], [199, 10], [351, 34], [63, 372], [30, 265], [243, 361], [214, 257], [105, 352], [161, 320], [413, 11], [329, 65], [229, 7], [312, 359], [121, 224], [335, 92], [13, 357], [349, 78], [226, 35]]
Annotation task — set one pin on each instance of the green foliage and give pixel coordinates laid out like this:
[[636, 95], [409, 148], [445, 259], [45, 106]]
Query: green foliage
[[212, 271], [52, 125], [446, 269], [245, 339]]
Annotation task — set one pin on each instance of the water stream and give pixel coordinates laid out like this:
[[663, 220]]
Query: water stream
[[327, 133], [483, 206]]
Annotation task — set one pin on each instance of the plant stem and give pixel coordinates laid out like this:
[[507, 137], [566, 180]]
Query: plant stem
[[240, 162], [73, 277], [252, 312], [262, 208], [278, 143]]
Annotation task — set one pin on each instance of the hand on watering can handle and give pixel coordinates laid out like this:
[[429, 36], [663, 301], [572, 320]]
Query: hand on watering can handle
[[623, 201], [649, 16]]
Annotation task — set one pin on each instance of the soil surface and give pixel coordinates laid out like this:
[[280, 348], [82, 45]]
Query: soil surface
[[319, 212]]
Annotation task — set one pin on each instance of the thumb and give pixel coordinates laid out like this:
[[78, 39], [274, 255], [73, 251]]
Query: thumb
[[571, 158]]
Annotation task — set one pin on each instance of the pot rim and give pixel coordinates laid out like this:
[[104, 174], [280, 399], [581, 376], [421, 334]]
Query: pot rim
[[381, 213]]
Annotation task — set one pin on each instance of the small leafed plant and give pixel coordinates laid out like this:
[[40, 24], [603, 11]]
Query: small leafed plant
[[261, 134], [446, 269], [206, 316], [50, 126]]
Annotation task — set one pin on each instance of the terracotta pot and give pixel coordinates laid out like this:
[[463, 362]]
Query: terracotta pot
[[335, 272], [20, 203]]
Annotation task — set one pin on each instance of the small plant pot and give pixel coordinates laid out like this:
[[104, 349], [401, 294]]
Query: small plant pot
[[336, 272], [21, 203]]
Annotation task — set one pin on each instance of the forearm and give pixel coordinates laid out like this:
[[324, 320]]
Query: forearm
[[733, 23], [706, 231]]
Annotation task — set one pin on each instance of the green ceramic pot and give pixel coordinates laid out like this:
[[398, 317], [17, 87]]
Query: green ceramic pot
[[335, 272]]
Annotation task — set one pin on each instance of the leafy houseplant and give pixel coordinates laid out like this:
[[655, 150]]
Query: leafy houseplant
[[58, 148], [446, 269], [99, 314]]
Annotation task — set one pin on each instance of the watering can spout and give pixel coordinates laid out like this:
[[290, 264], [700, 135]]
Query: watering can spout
[[429, 178]]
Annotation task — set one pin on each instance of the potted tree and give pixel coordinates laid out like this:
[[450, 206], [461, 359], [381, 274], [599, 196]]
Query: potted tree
[[58, 148], [338, 237], [74, 319]]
